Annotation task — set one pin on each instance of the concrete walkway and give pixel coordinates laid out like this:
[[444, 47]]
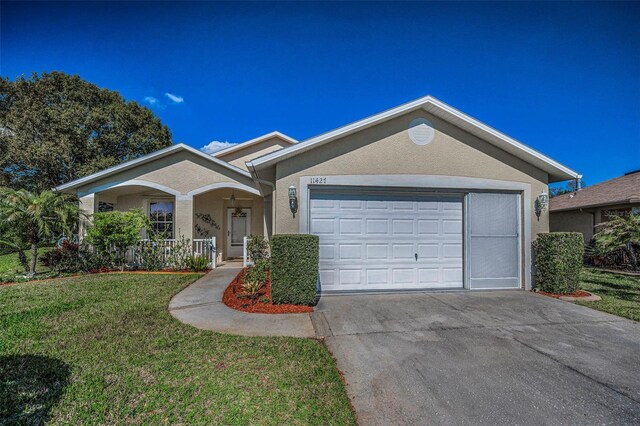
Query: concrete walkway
[[200, 305]]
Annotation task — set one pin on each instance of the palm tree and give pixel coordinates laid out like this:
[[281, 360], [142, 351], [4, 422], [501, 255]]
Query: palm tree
[[33, 218]]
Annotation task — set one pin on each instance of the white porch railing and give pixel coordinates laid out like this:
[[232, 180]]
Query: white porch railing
[[204, 247]]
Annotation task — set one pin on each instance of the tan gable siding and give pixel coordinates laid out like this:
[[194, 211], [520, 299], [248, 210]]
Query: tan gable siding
[[386, 149], [182, 171], [238, 158]]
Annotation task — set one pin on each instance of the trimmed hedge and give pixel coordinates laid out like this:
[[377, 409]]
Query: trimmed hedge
[[294, 268], [558, 261]]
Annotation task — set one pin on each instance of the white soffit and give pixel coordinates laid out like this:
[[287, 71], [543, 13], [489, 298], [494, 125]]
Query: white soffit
[[557, 171]]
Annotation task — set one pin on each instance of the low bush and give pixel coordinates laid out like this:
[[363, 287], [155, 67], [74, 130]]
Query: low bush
[[558, 260], [70, 258], [257, 248], [257, 272], [197, 263], [294, 269], [151, 254], [179, 254]]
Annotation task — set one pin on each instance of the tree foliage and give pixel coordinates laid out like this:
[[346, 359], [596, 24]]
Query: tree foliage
[[56, 127], [620, 233], [32, 218], [112, 233]]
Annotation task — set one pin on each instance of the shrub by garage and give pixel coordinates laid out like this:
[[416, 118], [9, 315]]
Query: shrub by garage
[[558, 261], [294, 269]]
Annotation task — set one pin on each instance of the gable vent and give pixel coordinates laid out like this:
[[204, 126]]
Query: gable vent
[[421, 131]]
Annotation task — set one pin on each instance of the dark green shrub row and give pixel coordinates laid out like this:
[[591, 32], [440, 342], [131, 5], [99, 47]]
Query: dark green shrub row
[[294, 268], [558, 261]]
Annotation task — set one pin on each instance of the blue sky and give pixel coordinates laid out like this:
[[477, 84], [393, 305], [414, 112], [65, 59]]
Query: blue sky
[[563, 78]]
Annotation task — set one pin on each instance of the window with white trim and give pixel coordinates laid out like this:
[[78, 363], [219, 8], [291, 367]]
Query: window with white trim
[[104, 207], [161, 216]]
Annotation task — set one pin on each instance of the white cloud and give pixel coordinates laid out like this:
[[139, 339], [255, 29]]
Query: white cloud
[[174, 98], [151, 100], [216, 146]]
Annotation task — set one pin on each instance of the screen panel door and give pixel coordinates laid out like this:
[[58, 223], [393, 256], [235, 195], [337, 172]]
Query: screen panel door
[[494, 240]]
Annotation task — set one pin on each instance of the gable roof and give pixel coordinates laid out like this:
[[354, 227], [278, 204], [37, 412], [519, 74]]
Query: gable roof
[[145, 159], [556, 171], [621, 190], [246, 144]]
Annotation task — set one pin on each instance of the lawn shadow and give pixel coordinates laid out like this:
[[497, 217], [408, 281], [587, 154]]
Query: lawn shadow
[[30, 386]]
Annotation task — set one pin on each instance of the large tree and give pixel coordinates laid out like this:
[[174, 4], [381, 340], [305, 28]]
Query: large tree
[[56, 127]]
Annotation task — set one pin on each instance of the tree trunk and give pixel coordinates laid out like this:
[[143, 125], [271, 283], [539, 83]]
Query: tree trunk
[[34, 258], [23, 260]]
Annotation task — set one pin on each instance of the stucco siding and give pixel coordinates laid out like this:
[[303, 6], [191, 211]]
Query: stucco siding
[[182, 171], [573, 221], [238, 158], [386, 149]]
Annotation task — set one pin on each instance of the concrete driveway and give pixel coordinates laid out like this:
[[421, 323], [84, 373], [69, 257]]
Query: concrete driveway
[[507, 357]]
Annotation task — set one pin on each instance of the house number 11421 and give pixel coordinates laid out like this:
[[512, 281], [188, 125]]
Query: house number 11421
[[318, 180]]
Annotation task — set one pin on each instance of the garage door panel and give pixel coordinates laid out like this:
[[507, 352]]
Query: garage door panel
[[350, 251], [428, 251], [428, 227], [371, 241], [377, 251], [321, 226], [402, 226]]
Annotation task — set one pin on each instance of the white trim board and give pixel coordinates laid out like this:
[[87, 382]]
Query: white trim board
[[557, 171], [426, 182], [145, 159]]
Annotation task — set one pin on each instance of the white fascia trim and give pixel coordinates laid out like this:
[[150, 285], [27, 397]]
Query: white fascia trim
[[423, 102], [254, 141], [220, 185], [144, 159]]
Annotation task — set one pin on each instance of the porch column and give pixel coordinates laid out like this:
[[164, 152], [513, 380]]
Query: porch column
[[184, 217], [88, 206]]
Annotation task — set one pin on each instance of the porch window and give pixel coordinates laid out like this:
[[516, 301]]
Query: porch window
[[161, 217], [104, 207]]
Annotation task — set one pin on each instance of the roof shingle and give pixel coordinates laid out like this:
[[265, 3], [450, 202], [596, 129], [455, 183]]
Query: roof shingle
[[621, 190]]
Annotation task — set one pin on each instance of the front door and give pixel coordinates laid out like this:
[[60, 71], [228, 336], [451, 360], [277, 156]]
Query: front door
[[238, 227]]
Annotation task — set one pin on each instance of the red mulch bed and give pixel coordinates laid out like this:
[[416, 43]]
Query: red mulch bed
[[231, 299], [579, 293]]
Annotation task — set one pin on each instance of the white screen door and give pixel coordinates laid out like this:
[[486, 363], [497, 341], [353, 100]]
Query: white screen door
[[238, 227], [494, 248]]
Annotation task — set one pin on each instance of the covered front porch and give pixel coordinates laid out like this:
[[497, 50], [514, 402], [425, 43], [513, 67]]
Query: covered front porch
[[215, 218]]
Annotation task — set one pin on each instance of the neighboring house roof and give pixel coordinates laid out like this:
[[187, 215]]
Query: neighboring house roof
[[556, 171], [621, 190], [145, 159], [246, 144]]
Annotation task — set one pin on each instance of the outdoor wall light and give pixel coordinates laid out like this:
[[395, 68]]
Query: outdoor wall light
[[541, 204], [293, 200]]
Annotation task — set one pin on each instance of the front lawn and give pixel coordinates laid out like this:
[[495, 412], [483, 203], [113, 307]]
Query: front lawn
[[103, 349], [620, 293], [9, 263]]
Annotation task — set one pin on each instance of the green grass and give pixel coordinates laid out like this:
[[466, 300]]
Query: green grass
[[103, 349], [9, 263], [620, 293]]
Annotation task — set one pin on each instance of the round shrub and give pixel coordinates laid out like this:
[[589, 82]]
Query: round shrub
[[558, 261]]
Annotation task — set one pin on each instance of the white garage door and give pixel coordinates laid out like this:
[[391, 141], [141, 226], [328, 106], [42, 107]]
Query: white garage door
[[378, 241]]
